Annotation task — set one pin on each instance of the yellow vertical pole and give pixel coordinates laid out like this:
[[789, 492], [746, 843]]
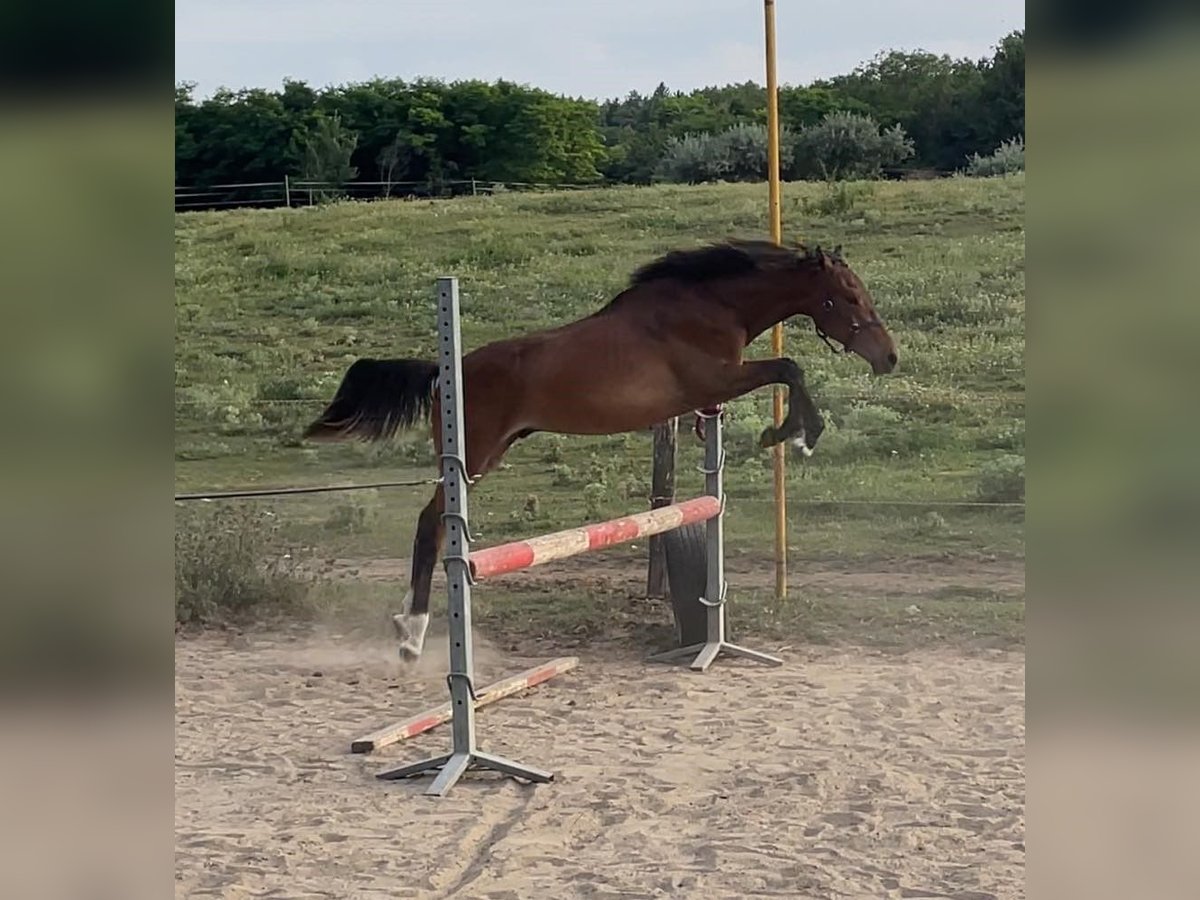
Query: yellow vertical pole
[[776, 222]]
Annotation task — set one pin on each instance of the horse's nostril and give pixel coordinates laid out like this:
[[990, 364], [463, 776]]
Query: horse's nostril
[[892, 358]]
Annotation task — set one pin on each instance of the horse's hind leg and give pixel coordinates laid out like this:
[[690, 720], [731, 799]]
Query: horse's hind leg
[[484, 453], [413, 619]]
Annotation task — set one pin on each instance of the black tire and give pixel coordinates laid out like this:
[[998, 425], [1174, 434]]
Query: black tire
[[687, 575]]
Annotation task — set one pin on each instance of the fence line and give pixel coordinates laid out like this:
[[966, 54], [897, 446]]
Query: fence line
[[329, 185], [925, 504], [304, 192], [806, 502], [315, 489], [243, 493]]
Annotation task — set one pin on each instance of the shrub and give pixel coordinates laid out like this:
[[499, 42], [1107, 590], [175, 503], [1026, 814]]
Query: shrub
[[1003, 480], [744, 147], [841, 146], [281, 389], [351, 517], [564, 475], [600, 470], [416, 451], [870, 418], [1009, 157], [593, 500], [230, 566], [1005, 436], [555, 447], [221, 406], [691, 159], [847, 145], [636, 487], [736, 154], [932, 524], [839, 199]]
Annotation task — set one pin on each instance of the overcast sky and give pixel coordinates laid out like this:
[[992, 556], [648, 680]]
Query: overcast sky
[[591, 48]]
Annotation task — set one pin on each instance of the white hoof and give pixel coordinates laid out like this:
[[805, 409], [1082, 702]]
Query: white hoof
[[411, 631], [800, 445]]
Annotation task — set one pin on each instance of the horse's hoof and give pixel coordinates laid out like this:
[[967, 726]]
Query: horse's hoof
[[769, 438], [406, 652], [801, 445], [409, 655], [401, 628], [411, 631], [812, 433]]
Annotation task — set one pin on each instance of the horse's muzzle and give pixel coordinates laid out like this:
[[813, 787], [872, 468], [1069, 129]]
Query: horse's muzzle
[[884, 364]]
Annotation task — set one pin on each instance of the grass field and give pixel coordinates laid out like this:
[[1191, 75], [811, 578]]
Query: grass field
[[272, 306]]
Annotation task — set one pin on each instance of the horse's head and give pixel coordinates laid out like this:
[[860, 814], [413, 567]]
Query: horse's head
[[841, 308]]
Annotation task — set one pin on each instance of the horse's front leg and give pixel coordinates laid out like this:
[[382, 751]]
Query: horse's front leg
[[803, 424]]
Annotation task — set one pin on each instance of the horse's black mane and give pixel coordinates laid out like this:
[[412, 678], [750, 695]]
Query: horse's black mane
[[725, 260]]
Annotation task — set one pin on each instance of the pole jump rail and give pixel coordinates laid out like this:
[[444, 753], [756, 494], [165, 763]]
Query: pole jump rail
[[419, 724], [517, 555]]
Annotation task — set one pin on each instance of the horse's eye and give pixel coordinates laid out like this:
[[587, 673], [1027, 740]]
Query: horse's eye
[[855, 326], [827, 304]]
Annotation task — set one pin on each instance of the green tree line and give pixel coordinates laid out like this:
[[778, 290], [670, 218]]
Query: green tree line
[[922, 109]]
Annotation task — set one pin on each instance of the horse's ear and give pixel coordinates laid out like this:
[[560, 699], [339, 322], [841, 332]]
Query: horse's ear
[[837, 252]]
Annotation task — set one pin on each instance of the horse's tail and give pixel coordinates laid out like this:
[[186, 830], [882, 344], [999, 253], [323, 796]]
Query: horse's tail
[[377, 397]]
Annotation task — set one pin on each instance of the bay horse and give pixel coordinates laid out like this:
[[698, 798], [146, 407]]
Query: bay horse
[[669, 343]]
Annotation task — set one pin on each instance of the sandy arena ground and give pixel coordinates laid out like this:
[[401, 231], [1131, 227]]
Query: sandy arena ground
[[841, 774]]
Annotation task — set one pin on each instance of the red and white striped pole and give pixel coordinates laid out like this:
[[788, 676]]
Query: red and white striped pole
[[534, 551], [436, 716]]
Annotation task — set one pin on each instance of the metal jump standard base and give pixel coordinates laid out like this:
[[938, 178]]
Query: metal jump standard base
[[715, 592]]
